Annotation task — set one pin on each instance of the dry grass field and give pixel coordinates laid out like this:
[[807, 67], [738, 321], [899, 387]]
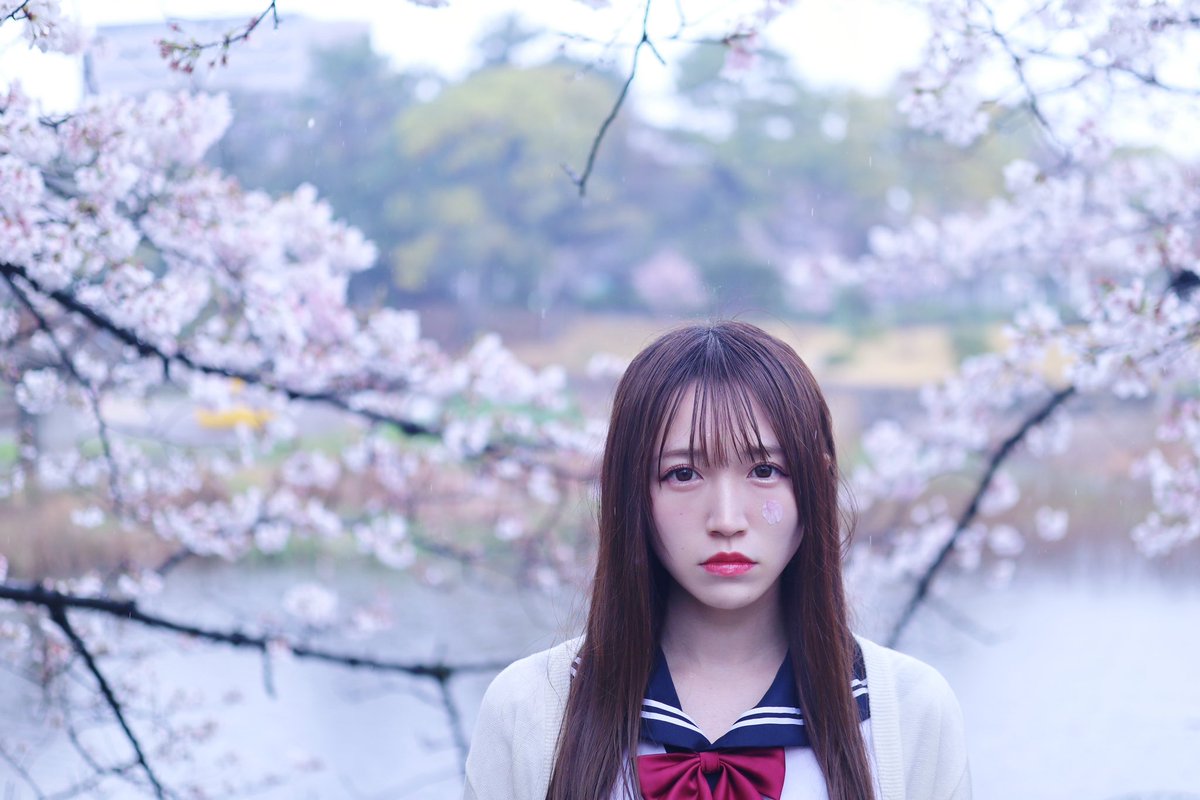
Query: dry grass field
[[901, 358]]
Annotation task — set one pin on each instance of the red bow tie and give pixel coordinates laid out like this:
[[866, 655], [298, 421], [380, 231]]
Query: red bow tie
[[748, 774]]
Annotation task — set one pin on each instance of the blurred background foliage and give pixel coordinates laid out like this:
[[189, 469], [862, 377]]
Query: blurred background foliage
[[464, 184]]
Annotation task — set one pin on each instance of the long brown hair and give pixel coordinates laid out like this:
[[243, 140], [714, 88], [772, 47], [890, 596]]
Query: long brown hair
[[733, 366]]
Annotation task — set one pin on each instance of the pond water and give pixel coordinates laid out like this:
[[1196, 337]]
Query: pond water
[[1073, 685]]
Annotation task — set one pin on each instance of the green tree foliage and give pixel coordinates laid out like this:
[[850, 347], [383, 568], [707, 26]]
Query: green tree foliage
[[463, 186], [804, 169], [493, 215]]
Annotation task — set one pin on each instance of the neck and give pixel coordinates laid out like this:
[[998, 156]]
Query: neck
[[699, 634]]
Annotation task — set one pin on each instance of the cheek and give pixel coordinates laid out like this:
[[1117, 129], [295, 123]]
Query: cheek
[[797, 537], [662, 540]]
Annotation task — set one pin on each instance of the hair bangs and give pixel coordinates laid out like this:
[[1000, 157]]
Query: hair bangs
[[725, 427]]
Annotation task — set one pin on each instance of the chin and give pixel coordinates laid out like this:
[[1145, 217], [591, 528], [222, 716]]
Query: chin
[[728, 601]]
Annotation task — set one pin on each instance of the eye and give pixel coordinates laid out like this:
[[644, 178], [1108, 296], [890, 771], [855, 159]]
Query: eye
[[766, 471], [680, 474]]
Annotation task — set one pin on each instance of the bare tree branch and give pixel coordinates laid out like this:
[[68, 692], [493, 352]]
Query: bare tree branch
[[20, 12], [88, 758], [58, 613], [1002, 453], [581, 180], [454, 720], [57, 603], [23, 773], [1031, 96], [128, 610], [99, 772]]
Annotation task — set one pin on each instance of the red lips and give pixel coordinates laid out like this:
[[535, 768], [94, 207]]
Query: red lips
[[729, 558], [728, 565]]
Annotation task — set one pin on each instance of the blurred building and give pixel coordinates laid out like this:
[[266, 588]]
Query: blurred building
[[126, 59]]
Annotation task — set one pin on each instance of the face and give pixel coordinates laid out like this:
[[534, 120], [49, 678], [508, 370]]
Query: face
[[725, 531]]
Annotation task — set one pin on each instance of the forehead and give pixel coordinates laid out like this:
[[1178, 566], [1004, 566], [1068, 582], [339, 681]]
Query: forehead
[[717, 423]]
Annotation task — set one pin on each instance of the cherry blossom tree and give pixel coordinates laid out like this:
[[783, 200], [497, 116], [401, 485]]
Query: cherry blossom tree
[[1093, 250], [135, 275]]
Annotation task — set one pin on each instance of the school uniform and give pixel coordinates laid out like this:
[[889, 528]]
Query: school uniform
[[909, 716], [765, 753]]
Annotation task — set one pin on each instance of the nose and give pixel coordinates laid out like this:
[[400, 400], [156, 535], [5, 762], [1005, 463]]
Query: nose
[[726, 511]]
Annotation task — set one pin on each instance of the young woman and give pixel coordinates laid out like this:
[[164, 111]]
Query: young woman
[[717, 661]]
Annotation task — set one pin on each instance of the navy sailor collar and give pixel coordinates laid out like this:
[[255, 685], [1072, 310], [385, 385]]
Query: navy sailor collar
[[776, 721]]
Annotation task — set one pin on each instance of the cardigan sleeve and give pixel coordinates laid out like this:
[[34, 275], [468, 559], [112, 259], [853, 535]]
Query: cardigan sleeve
[[497, 766], [933, 733], [512, 748], [917, 734]]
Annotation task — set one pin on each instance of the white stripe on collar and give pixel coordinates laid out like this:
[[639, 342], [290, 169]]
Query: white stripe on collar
[[672, 720]]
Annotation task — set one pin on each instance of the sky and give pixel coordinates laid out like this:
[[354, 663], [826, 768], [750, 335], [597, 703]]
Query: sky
[[841, 44], [855, 44]]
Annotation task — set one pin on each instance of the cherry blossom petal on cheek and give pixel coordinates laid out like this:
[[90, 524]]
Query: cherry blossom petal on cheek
[[772, 512]]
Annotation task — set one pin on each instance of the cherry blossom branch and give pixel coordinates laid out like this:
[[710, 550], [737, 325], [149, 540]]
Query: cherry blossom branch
[[146, 349], [183, 57], [454, 720], [1031, 96], [57, 603], [581, 180], [128, 611], [58, 613], [1170, 22], [683, 23], [23, 773], [98, 770], [93, 395], [21, 10], [1002, 453], [1148, 78]]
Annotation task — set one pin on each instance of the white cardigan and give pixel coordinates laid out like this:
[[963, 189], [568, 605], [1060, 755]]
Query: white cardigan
[[917, 728]]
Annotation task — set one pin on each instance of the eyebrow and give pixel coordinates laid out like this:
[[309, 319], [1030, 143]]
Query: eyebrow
[[683, 452]]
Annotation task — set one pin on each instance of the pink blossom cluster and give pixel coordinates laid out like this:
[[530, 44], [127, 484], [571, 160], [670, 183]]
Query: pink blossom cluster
[[138, 277], [1078, 65], [1092, 252], [46, 27]]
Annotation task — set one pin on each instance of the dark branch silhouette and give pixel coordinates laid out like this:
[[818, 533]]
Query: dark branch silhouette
[[454, 720], [1002, 453], [69, 302], [129, 611], [57, 603], [58, 613], [582, 179], [22, 773], [20, 12]]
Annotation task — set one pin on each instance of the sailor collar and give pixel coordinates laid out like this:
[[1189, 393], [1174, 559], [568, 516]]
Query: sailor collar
[[776, 721]]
